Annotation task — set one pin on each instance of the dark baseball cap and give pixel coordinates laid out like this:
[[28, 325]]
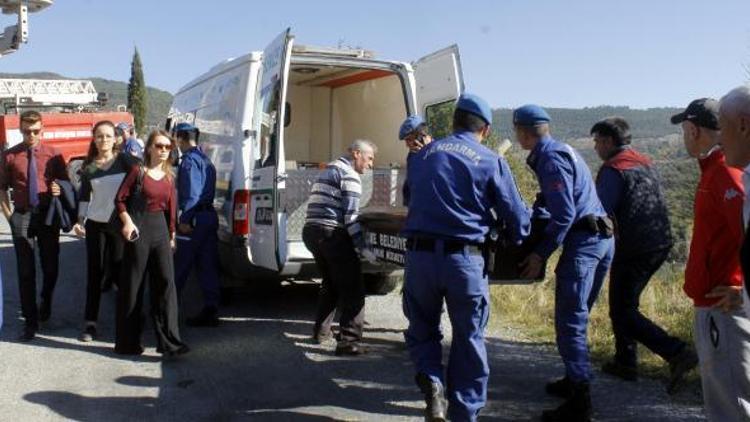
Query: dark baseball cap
[[703, 112]]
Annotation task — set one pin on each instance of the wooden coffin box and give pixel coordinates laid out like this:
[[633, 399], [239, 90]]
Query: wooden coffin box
[[382, 227]]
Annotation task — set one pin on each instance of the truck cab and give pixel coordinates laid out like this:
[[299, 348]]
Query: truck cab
[[271, 120]]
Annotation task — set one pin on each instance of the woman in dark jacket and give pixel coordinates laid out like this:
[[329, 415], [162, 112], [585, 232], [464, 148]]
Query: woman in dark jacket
[[102, 172], [147, 207]]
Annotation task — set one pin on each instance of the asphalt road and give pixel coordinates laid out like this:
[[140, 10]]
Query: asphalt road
[[260, 364]]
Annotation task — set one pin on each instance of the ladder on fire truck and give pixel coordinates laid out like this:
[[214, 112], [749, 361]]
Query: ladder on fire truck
[[63, 93]]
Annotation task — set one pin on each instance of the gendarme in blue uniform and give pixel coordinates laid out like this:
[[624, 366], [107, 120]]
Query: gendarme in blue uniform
[[195, 193], [568, 195], [454, 184]]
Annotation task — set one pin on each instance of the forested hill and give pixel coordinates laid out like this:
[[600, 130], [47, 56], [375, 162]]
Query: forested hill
[[158, 100], [573, 123]]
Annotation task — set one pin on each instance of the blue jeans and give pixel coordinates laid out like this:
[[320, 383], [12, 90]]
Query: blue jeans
[[580, 272], [460, 280], [627, 279]]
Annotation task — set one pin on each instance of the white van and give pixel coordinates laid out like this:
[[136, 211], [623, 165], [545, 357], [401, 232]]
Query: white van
[[271, 120]]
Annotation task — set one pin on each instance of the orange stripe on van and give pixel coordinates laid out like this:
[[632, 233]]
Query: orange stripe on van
[[356, 78]]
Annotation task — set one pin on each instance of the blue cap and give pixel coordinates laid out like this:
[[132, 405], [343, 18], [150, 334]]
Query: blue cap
[[475, 105], [410, 125], [530, 115], [123, 126], [184, 127]]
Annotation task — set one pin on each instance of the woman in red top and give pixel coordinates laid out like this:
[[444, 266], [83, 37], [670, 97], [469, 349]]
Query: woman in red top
[[146, 203]]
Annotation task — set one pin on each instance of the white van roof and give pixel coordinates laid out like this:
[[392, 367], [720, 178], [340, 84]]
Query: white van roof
[[223, 67]]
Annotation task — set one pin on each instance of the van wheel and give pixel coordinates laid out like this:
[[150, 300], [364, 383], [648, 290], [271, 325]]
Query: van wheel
[[379, 284]]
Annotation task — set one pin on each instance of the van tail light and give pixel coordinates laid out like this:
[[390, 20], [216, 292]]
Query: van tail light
[[241, 213]]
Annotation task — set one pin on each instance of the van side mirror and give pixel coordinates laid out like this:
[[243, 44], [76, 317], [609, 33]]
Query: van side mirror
[[287, 114]]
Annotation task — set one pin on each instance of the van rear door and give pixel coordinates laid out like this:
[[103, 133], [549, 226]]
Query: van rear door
[[268, 246], [439, 81]]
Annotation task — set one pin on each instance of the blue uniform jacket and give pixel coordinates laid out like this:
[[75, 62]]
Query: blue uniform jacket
[[567, 189], [455, 184], [195, 184]]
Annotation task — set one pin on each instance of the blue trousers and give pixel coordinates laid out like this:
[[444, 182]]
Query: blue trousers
[[459, 279], [580, 273], [200, 249]]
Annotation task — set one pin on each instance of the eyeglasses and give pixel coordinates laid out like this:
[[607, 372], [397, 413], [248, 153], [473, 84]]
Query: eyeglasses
[[163, 147]]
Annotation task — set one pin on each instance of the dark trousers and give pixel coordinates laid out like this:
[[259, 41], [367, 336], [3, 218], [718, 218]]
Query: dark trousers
[[342, 287], [200, 249], [104, 249], [152, 253], [627, 280], [25, 228]]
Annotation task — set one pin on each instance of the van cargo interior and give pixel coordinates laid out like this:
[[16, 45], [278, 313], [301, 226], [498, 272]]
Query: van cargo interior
[[331, 106]]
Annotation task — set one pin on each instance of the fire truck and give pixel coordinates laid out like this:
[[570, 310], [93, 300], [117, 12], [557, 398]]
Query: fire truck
[[69, 108]]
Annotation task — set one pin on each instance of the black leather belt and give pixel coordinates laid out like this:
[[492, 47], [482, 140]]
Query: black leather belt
[[594, 224], [426, 244], [203, 207]]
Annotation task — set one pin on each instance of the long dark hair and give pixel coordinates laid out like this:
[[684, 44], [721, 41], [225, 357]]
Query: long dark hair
[[93, 149]]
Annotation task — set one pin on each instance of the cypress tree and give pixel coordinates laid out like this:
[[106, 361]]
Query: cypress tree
[[137, 95]]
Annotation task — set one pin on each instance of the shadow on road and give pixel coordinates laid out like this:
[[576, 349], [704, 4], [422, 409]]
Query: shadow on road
[[260, 364]]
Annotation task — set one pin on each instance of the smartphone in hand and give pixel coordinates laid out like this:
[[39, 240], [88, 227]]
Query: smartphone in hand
[[134, 235]]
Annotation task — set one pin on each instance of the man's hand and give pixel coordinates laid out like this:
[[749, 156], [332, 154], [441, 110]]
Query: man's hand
[[184, 228], [368, 255], [55, 189], [79, 230], [531, 266], [730, 297]]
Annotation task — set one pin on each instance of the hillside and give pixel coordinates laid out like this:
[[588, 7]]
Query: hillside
[[158, 100]]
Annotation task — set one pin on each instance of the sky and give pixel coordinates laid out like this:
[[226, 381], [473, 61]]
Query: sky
[[561, 53]]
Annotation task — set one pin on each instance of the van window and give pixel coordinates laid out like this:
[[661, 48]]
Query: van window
[[268, 127], [440, 119]]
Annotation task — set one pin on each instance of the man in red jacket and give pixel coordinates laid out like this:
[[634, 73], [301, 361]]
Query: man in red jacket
[[713, 278]]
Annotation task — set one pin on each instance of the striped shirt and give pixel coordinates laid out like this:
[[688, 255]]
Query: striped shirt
[[334, 199]]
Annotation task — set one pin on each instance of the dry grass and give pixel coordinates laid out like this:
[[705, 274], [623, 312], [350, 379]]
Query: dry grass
[[530, 309]]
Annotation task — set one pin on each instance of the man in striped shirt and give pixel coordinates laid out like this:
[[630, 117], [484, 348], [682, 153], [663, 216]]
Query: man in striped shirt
[[333, 234]]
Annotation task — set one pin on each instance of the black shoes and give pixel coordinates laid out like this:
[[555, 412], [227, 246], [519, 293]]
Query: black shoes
[[433, 397], [576, 409], [617, 369], [323, 337], [562, 388], [28, 333], [206, 318], [88, 334], [349, 349], [182, 350], [679, 366], [45, 310]]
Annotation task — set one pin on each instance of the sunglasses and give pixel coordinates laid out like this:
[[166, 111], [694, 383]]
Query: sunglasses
[[31, 132], [163, 147]]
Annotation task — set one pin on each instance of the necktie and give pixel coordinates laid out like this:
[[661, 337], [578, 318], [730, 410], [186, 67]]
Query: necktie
[[32, 178]]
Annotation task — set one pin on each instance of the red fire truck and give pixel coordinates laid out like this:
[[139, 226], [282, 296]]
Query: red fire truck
[[70, 108]]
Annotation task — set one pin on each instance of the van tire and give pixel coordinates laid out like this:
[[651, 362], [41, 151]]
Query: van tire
[[379, 284]]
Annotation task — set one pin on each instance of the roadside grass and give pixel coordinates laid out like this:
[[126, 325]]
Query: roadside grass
[[529, 309]]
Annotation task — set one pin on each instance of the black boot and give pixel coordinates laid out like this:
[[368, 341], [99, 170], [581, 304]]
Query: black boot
[[576, 409], [433, 397], [562, 388]]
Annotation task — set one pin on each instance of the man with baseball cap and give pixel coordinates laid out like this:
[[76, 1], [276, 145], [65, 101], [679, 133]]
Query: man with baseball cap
[[713, 277], [578, 223], [455, 185]]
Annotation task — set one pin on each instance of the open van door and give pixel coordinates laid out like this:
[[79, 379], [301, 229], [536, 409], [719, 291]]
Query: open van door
[[439, 81], [268, 246]]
